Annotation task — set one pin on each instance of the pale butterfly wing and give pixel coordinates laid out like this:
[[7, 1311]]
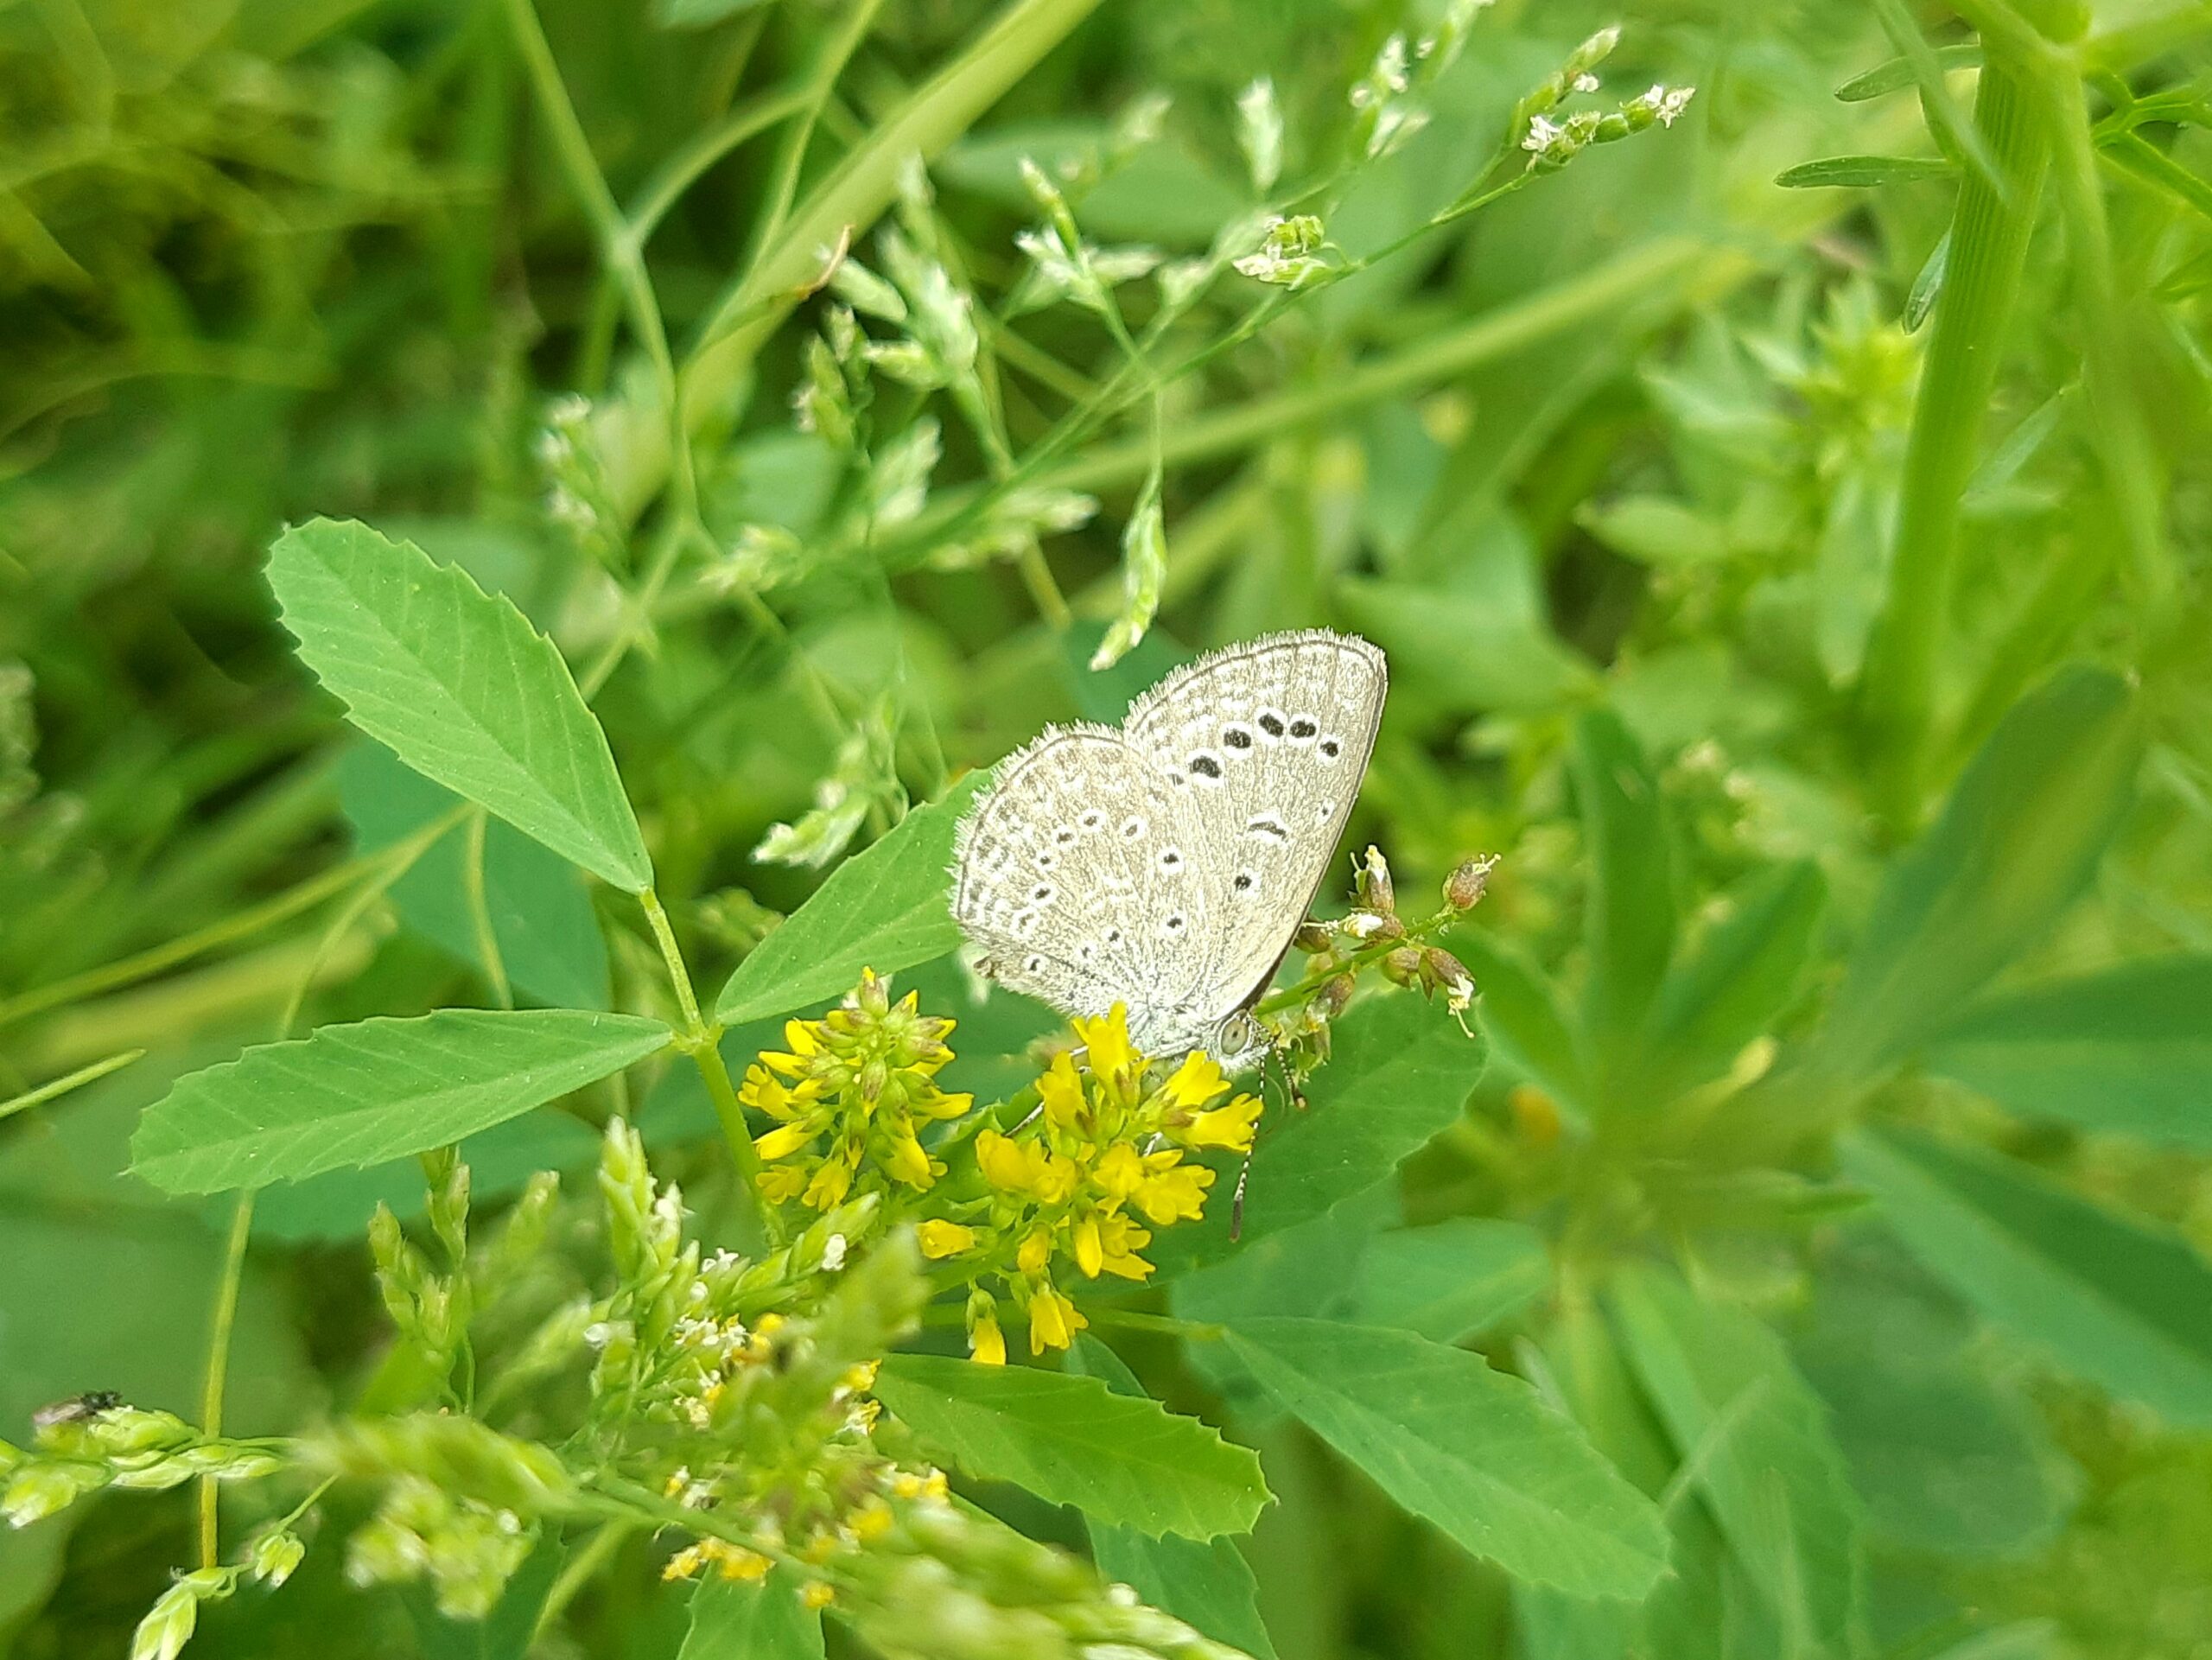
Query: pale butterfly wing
[[1068, 877], [1267, 742]]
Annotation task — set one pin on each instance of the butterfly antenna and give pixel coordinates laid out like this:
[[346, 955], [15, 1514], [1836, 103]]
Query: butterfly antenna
[[1236, 1205]]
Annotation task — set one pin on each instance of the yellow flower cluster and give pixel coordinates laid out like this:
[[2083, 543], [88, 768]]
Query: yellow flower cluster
[[852, 1092], [1075, 1184]]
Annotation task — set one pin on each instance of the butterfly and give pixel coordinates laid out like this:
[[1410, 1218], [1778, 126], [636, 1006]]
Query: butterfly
[[1165, 864]]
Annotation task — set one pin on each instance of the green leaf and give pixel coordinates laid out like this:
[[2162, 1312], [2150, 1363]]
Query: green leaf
[[1400, 1073], [2021, 834], [461, 687], [1730, 984], [764, 1620], [1311, 1270], [1464, 649], [1757, 1438], [1657, 531], [1946, 1464], [1209, 1585], [378, 1089], [1472, 1451], [1521, 1013], [1452, 1279], [2129, 1049], [1071, 1440], [1858, 171], [1629, 915], [1898, 74], [883, 908], [2124, 1304], [542, 923], [506, 1633]]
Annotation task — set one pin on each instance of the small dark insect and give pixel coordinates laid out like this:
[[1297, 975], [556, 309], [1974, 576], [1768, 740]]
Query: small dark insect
[[76, 1409]]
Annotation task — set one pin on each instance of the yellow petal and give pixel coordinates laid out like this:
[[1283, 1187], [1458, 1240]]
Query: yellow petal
[[1036, 1251], [909, 1163], [986, 1343], [801, 1037], [1229, 1126], [1062, 1091], [999, 1159], [1107, 1040], [940, 1238], [1196, 1082], [1090, 1252], [1054, 1320], [784, 1141], [1119, 1170]]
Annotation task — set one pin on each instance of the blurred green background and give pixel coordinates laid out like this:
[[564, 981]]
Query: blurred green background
[[1802, 585]]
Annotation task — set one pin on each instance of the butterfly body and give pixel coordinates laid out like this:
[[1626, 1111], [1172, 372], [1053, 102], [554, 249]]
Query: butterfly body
[[1164, 864]]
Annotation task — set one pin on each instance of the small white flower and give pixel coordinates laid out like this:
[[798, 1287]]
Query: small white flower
[[1543, 133], [1584, 82], [833, 1253], [1672, 102]]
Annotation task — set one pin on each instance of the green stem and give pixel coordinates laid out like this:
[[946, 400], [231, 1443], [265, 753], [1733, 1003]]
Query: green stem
[[849, 201], [61, 1087], [1989, 247], [702, 1040], [579, 1569], [1653, 269], [218, 1365], [479, 912]]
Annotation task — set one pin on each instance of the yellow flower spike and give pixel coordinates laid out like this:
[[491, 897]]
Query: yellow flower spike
[[736, 1563], [783, 1184], [831, 1183], [1061, 1090], [940, 1239], [686, 1563], [909, 1164], [871, 1520], [1107, 1038], [1196, 1082], [1120, 1172], [1055, 1177], [1175, 1194], [1054, 1320], [936, 1103], [784, 1141], [986, 1343], [1036, 1251], [862, 1375], [1120, 1240], [1229, 1126], [1001, 1160], [1090, 1249], [818, 1594]]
